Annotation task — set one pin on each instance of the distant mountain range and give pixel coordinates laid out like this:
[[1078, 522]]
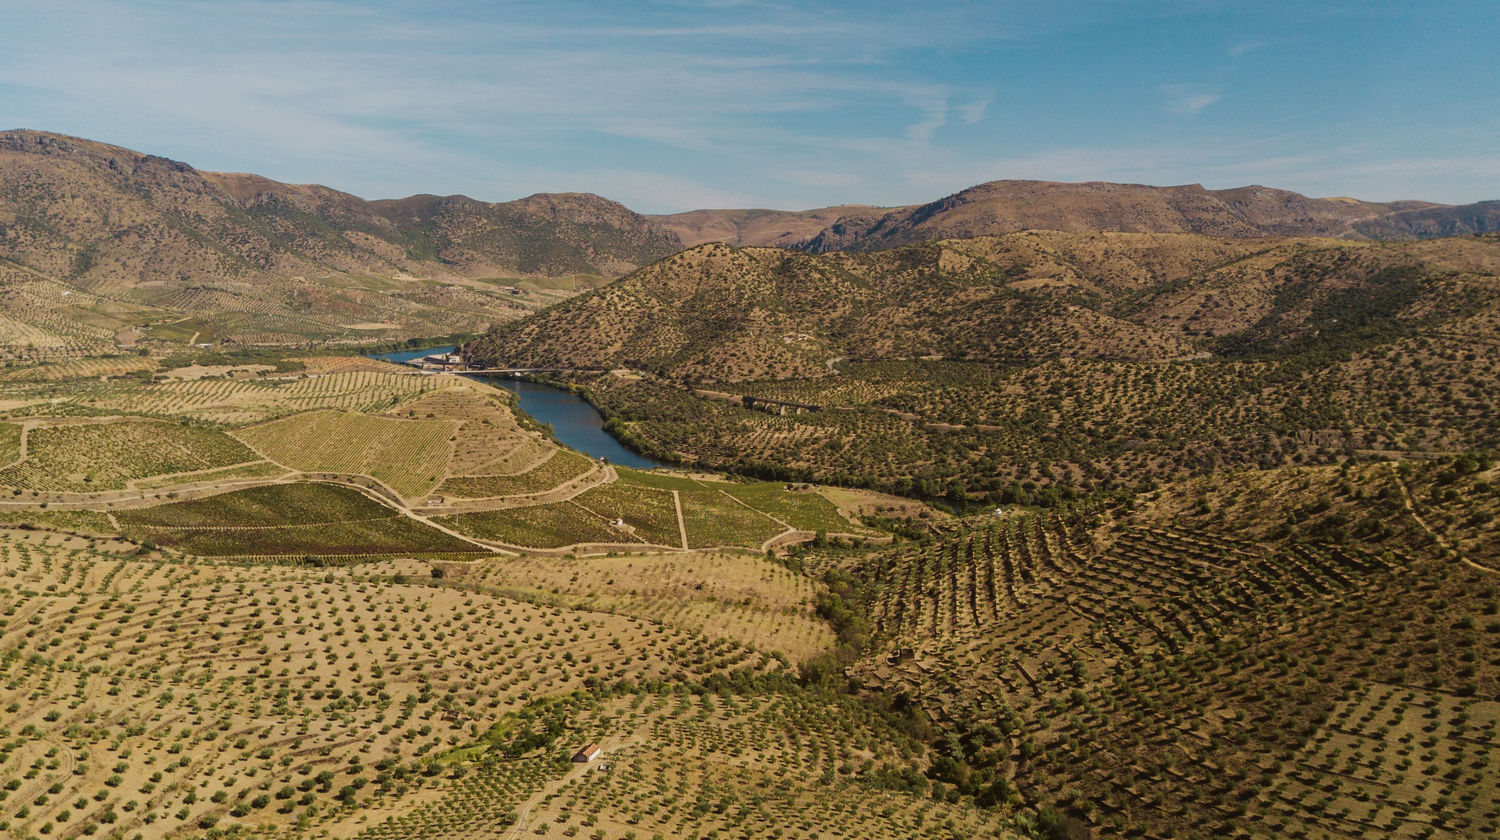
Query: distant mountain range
[[101, 246], [78, 208], [1001, 207]]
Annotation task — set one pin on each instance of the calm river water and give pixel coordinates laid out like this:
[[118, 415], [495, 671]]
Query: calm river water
[[573, 420]]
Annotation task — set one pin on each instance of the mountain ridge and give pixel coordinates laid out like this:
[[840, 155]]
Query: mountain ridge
[[721, 313], [1005, 206], [539, 235]]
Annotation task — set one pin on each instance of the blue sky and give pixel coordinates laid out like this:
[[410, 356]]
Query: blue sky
[[739, 103]]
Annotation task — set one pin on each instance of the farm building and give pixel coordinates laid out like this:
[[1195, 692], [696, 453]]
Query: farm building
[[588, 753]]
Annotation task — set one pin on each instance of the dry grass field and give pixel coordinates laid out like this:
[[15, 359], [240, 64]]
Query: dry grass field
[[729, 595]]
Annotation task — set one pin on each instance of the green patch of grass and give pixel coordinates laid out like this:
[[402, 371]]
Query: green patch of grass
[[650, 512], [305, 518], [660, 481], [303, 503], [714, 519], [85, 457], [538, 526], [559, 469], [88, 522], [10, 442], [379, 537], [803, 510]]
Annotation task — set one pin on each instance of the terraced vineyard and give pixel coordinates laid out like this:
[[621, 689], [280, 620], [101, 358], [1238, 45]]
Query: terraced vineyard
[[562, 467], [650, 515], [87, 457], [803, 509], [288, 520], [490, 439], [554, 525], [714, 518], [437, 446], [229, 401], [409, 456]]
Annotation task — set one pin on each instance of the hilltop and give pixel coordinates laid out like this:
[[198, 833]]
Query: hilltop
[[778, 228], [726, 314], [103, 247], [1001, 207], [1006, 368], [63, 196]]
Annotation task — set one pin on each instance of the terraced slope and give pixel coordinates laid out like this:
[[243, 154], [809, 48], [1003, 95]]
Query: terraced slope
[[410, 456], [82, 457], [1163, 675]]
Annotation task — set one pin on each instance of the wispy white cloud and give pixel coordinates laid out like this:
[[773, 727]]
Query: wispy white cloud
[[823, 178], [1188, 99], [971, 112], [678, 103]]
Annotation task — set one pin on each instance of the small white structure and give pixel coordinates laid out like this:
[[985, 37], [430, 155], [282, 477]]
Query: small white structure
[[587, 754], [618, 523], [999, 511]]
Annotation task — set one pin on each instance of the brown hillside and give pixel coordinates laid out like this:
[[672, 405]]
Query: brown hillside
[[61, 195], [720, 313], [778, 228], [139, 240], [1001, 207]]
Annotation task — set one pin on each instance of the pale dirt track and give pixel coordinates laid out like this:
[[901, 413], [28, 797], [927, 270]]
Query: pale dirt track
[[1417, 517]]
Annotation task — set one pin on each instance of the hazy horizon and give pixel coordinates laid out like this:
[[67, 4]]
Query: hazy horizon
[[672, 106]]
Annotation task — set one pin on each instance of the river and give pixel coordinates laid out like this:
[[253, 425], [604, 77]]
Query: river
[[575, 423]]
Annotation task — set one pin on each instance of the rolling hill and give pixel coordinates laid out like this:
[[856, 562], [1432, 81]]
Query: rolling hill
[[103, 249], [72, 207], [101, 246], [718, 313], [1000, 368], [779, 228]]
